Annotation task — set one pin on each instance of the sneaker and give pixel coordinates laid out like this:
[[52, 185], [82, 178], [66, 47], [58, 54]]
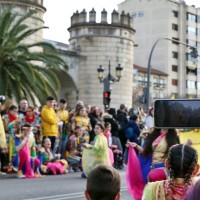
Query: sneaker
[[66, 171], [2, 173], [20, 174], [76, 169], [71, 170]]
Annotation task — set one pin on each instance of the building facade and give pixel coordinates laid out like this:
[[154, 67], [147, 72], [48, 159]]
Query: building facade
[[159, 19], [158, 85], [96, 44]]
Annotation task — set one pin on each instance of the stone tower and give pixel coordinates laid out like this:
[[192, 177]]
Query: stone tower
[[24, 6], [97, 44]]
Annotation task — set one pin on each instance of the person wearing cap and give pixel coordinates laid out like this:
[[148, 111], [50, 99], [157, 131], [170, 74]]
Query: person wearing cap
[[49, 121]]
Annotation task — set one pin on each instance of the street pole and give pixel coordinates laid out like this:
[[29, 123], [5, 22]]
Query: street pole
[[106, 80], [149, 65]]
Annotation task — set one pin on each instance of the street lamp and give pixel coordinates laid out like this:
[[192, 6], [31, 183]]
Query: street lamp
[[194, 53], [107, 81]]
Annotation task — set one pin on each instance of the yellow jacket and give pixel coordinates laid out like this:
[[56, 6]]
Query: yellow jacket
[[64, 115], [49, 122]]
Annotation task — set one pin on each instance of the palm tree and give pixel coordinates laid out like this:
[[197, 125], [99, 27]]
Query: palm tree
[[25, 73]]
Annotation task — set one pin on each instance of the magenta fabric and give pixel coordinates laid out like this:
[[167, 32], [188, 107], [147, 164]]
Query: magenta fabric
[[24, 157], [158, 174], [55, 168], [134, 179], [111, 156]]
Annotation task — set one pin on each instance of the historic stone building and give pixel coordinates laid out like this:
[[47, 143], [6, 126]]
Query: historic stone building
[[96, 44], [91, 44]]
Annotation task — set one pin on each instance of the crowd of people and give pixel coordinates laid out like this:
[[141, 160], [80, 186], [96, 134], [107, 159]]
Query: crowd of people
[[53, 139]]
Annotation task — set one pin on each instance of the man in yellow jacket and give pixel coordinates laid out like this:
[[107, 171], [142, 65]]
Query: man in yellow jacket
[[49, 121]]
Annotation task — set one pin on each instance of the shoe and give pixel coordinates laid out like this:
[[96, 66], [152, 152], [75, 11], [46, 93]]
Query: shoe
[[66, 171], [71, 170], [83, 175], [2, 173], [20, 174], [76, 169]]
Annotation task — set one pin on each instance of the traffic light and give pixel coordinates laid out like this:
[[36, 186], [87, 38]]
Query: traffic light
[[106, 98], [194, 52]]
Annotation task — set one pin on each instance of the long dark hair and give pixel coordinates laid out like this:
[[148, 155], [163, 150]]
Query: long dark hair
[[171, 139], [182, 159]]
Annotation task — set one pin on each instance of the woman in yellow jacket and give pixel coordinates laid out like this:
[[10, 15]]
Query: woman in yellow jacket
[[49, 121], [81, 120]]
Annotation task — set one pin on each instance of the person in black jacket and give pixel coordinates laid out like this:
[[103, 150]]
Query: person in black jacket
[[94, 119], [123, 121]]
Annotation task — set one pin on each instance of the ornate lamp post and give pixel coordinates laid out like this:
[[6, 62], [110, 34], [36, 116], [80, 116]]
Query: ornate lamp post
[[107, 81]]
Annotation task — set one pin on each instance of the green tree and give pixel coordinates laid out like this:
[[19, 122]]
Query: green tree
[[25, 73]]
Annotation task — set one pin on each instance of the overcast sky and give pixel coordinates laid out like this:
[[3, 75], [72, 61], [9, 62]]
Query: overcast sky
[[59, 12]]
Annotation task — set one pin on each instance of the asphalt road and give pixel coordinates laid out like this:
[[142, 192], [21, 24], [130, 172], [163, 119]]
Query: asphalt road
[[60, 187]]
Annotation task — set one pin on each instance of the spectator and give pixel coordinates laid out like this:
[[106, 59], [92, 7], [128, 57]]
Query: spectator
[[133, 125], [49, 121], [23, 106], [103, 182], [51, 164], [149, 120], [94, 119], [63, 127], [88, 108], [12, 125], [108, 134], [123, 121], [81, 119], [5, 106], [182, 165], [35, 121], [72, 153]]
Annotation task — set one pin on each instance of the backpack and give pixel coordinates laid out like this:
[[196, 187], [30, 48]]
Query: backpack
[[129, 133]]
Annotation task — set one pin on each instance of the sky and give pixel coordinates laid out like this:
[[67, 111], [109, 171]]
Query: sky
[[59, 12]]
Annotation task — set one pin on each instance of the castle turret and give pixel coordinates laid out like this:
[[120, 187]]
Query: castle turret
[[115, 17], [92, 16], [104, 16], [100, 43], [83, 16]]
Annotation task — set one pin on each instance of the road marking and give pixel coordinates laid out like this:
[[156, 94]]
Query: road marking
[[67, 196]]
